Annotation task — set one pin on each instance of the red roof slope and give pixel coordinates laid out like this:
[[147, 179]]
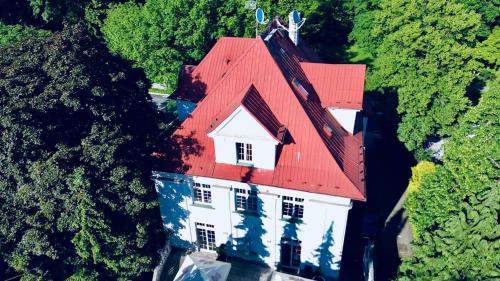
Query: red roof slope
[[337, 85], [195, 82], [310, 160], [251, 100]]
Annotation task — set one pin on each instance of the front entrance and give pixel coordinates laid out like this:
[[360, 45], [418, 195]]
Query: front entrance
[[205, 236], [290, 253]]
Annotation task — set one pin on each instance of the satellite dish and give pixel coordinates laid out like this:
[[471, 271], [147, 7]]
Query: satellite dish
[[296, 16], [259, 15]]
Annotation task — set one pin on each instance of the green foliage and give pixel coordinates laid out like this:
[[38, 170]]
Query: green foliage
[[489, 11], [12, 34], [473, 151], [77, 129], [418, 172], [434, 201], [465, 247], [363, 13], [455, 209], [161, 35], [425, 54]]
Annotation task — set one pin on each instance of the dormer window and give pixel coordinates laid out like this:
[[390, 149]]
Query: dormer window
[[244, 152], [246, 132]]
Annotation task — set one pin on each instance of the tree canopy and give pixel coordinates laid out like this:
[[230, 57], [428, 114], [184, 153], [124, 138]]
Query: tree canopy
[[454, 210], [160, 35], [12, 34], [77, 129]]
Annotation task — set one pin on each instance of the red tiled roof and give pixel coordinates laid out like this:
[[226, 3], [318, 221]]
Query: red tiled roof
[[251, 100], [337, 85], [310, 159]]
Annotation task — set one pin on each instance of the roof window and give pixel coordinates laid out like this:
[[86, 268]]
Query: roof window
[[300, 88], [328, 130]]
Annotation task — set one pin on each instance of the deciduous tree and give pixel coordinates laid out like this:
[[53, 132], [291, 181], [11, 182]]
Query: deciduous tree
[[77, 129]]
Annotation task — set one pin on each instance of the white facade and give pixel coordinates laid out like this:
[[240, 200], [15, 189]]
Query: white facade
[[242, 127], [263, 235], [346, 117]]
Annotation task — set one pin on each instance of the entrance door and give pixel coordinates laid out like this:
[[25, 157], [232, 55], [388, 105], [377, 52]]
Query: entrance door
[[205, 236], [290, 253]]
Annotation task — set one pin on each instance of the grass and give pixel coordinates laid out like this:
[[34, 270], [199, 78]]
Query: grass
[[158, 91]]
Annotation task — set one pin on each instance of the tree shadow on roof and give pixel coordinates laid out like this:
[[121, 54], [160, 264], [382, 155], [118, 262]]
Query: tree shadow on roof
[[173, 152]]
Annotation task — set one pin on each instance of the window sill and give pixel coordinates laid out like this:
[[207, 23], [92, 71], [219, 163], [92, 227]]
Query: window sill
[[202, 205], [293, 220], [246, 164], [247, 213]]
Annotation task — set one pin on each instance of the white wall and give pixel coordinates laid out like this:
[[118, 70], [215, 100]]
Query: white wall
[[242, 127], [321, 230], [346, 117]]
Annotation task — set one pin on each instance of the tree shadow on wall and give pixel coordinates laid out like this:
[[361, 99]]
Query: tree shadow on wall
[[325, 256], [251, 245], [287, 262]]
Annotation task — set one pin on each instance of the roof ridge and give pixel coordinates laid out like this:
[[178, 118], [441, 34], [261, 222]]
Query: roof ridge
[[303, 104]]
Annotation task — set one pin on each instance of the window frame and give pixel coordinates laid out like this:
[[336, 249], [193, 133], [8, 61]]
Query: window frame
[[206, 233], [292, 207], [202, 193], [244, 198], [244, 152]]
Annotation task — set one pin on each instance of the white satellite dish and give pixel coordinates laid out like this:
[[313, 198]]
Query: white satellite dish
[[259, 16]]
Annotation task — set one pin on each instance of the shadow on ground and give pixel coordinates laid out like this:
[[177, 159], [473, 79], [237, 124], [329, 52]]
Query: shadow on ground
[[388, 169]]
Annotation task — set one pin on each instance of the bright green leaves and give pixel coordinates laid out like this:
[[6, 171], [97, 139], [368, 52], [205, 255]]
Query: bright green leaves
[[454, 210], [425, 53], [11, 34]]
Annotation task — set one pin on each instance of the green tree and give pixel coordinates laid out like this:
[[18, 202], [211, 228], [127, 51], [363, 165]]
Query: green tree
[[489, 11], [75, 191], [425, 54], [465, 247], [455, 209], [12, 34], [159, 36]]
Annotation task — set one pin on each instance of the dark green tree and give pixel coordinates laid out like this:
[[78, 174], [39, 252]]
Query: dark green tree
[[77, 128]]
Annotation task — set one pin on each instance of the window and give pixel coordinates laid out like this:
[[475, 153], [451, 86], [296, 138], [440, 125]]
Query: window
[[290, 252], [205, 236], [246, 200], [300, 88], [244, 151], [293, 207], [202, 193]]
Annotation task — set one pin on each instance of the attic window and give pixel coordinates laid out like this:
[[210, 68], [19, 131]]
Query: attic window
[[300, 88], [328, 130], [282, 50]]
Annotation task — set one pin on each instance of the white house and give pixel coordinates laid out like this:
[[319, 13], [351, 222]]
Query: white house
[[269, 155]]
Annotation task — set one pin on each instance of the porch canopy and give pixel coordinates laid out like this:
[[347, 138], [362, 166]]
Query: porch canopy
[[202, 269]]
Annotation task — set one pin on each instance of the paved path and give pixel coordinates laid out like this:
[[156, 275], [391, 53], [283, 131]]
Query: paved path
[[240, 270]]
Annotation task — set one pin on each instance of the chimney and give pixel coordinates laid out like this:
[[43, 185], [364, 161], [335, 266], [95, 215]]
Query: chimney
[[294, 24]]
